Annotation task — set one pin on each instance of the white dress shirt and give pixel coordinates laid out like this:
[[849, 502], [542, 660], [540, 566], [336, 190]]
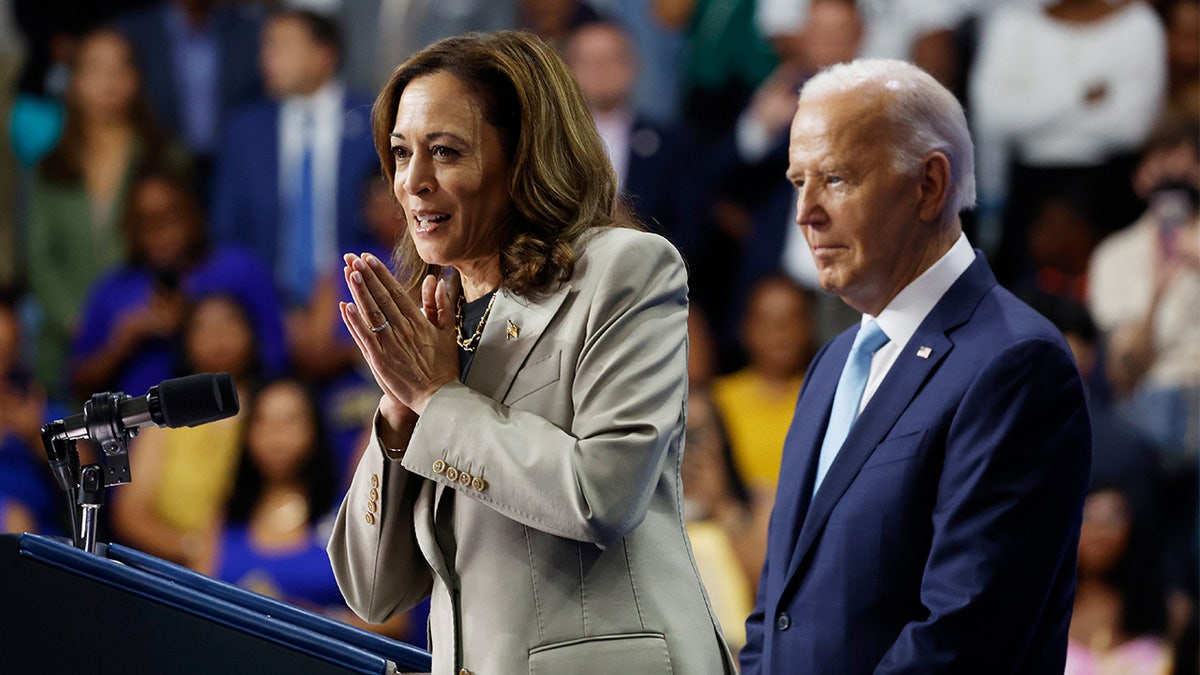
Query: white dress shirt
[[327, 112], [904, 314]]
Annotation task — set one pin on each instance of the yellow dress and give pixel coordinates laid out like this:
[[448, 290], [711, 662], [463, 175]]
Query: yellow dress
[[197, 473], [757, 419]]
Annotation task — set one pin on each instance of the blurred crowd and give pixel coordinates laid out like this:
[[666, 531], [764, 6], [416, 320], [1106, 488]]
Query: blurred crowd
[[179, 180]]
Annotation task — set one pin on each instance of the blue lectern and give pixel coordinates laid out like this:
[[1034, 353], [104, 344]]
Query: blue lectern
[[63, 610]]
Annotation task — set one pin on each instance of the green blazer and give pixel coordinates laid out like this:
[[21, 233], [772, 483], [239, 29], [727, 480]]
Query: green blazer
[[562, 452]]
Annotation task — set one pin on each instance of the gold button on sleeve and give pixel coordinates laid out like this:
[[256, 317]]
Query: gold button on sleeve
[[439, 466], [479, 484], [373, 494], [374, 480], [451, 473], [371, 506], [464, 479], [370, 518]]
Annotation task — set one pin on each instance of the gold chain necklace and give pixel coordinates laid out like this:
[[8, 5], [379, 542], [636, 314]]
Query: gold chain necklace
[[469, 344]]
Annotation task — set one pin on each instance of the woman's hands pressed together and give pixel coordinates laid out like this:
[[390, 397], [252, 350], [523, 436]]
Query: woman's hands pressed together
[[413, 355]]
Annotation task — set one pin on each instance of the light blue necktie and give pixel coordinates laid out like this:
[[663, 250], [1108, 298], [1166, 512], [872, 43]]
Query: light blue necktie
[[849, 394], [299, 263]]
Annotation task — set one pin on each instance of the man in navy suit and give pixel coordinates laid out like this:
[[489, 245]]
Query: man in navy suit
[[658, 176], [927, 520], [290, 176], [193, 56]]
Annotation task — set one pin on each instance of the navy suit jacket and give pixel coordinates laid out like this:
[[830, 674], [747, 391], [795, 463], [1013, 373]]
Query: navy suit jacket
[[237, 44], [247, 207], [943, 538]]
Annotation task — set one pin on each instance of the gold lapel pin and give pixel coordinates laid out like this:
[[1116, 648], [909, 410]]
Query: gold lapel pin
[[513, 331], [924, 352]]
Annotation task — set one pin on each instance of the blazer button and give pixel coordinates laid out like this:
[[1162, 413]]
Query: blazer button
[[372, 507], [370, 518], [464, 671], [479, 484], [439, 466], [452, 473], [373, 494], [464, 479], [783, 621], [374, 480]]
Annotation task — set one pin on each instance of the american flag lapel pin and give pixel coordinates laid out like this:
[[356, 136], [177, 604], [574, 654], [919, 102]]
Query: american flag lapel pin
[[924, 352]]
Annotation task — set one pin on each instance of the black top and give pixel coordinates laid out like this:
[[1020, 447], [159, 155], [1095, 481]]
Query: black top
[[472, 314]]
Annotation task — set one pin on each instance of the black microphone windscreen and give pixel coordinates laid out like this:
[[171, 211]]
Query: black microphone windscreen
[[197, 399]]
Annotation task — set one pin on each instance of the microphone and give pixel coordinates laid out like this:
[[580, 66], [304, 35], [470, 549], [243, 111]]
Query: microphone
[[180, 402]]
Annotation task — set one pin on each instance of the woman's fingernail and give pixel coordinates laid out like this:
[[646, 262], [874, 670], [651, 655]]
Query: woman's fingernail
[[351, 308], [356, 277]]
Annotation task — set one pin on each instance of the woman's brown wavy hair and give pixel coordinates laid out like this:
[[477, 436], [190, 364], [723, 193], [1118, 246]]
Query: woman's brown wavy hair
[[562, 182]]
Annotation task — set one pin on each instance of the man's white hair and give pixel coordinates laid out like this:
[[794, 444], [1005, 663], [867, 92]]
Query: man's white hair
[[925, 117]]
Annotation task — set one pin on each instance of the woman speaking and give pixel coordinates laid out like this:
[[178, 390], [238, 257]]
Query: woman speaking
[[524, 465]]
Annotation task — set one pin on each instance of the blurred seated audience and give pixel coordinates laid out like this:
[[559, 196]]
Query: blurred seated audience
[[1061, 92], [658, 177], [1145, 294], [79, 191], [726, 528], [130, 336], [757, 402], [291, 168], [183, 477], [1120, 616], [29, 499], [195, 58]]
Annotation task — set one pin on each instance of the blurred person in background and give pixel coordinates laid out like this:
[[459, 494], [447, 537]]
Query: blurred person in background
[[658, 179], [1061, 92], [1120, 617], [1145, 293], [80, 190], [130, 337], [284, 485], [757, 402], [727, 531], [184, 476], [194, 57], [291, 168], [29, 500]]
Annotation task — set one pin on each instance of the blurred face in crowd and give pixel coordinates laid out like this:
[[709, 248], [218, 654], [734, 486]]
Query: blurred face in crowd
[[105, 79], [452, 175], [218, 337], [862, 218], [602, 58], [164, 224], [1105, 532], [282, 432], [293, 63], [831, 34], [777, 329]]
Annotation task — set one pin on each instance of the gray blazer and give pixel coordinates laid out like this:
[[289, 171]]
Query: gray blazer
[[562, 453]]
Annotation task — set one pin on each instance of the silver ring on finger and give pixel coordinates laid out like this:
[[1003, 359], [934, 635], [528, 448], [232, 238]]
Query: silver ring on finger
[[380, 328]]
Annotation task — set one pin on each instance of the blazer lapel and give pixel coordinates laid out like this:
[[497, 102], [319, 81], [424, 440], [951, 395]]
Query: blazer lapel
[[513, 328], [802, 444], [912, 369]]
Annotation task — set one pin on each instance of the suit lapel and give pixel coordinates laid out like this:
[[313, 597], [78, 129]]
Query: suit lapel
[[907, 376], [513, 328]]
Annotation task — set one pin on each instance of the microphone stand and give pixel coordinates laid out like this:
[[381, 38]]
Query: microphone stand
[[84, 486]]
